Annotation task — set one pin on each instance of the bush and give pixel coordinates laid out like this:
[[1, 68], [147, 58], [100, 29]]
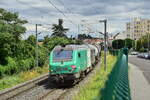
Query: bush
[[2, 71], [15, 66], [43, 54], [24, 65], [12, 66]]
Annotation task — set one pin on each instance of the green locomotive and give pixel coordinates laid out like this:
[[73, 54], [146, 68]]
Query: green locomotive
[[70, 63]]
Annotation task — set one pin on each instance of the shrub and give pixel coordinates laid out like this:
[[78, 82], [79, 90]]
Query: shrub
[[11, 67]]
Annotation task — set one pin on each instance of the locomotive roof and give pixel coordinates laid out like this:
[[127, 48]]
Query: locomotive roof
[[74, 47]]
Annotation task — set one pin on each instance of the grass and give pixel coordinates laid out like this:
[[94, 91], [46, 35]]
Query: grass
[[10, 81], [91, 90]]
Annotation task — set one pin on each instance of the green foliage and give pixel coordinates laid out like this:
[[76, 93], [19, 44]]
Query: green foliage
[[50, 43], [142, 43], [118, 44], [6, 46], [16, 55], [10, 23], [31, 40], [43, 55], [128, 43], [15, 66], [84, 36]]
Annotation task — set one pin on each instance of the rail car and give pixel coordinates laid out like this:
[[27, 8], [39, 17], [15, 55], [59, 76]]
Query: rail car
[[71, 63]]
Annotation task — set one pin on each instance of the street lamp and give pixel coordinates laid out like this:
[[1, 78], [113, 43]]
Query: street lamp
[[105, 37]]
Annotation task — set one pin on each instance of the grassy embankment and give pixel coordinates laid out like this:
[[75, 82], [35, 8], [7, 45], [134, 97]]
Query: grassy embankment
[[97, 82], [10, 81]]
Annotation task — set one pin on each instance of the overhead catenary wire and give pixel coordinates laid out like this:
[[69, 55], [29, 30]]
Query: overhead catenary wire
[[89, 2], [36, 8], [62, 13], [66, 7]]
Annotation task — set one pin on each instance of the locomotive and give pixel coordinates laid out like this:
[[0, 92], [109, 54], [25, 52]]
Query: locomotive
[[70, 63]]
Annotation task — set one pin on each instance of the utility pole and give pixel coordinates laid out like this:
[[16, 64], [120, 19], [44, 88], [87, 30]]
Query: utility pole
[[105, 39], [78, 30], [148, 42], [36, 50]]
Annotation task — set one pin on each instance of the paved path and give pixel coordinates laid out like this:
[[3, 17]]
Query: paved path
[[140, 88], [142, 64]]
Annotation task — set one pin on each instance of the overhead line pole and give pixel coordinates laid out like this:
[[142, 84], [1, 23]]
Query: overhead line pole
[[36, 50], [148, 42], [105, 39]]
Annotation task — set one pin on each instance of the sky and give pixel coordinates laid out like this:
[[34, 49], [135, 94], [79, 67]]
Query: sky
[[80, 16]]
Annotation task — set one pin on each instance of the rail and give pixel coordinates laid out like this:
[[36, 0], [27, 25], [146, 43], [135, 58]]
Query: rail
[[17, 90]]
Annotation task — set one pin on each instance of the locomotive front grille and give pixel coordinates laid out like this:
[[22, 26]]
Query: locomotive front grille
[[62, 69]]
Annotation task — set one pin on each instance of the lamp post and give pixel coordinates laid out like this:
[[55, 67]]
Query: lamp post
[[36, 50], [105, 38]]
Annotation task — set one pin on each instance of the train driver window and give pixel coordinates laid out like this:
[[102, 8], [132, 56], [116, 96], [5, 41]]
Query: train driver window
[[79, 55]]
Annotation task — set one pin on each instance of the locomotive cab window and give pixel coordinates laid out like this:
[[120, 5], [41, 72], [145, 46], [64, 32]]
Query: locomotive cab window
[[60, 55]]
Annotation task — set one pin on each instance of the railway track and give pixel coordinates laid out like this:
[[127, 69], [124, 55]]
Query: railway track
[[39, 89], [51, 94], [21, 88]]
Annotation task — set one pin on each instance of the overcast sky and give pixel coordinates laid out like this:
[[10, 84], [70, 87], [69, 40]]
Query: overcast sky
[[117, 12]]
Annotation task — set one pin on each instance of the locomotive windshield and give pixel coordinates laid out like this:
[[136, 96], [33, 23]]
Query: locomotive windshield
[[60, 55]]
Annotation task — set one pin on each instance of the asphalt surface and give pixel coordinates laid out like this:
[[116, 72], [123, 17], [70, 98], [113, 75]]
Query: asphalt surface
[[142, 64]]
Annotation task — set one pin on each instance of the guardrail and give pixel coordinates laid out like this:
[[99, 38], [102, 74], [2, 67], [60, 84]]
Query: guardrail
[[117, 85]]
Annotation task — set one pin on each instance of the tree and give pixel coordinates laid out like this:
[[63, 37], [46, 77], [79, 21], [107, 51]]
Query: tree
[[6, 46], [11, 30], [142, 43], [17, 55], [51, 42], [31, 40], [128, 43], [84, 36], [12, 24], [118, 44], [59, 30]]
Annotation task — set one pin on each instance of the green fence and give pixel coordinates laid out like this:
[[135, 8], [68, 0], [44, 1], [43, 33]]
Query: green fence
[[117, 86]]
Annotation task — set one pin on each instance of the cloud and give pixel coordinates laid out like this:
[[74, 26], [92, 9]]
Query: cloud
[[118, 12]]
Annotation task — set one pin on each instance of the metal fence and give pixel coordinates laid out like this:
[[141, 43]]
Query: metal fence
[[117, 85]]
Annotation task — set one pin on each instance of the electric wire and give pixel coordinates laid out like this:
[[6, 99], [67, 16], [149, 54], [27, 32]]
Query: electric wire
[[66, 7], [88, 1], [61, 12], [35, 8]]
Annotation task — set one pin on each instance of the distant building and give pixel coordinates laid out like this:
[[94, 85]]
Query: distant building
[[97, 41], [137, 28], [40, 43]]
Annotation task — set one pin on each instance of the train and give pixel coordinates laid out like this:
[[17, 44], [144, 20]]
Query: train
[[70, 63]]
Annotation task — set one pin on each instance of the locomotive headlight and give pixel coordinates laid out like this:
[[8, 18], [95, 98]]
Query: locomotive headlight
[[73, 66]]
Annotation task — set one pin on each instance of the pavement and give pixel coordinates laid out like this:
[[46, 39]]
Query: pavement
[[139, 79], [142, 64]]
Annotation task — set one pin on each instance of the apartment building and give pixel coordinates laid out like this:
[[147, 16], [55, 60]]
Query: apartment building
[[137, 28]]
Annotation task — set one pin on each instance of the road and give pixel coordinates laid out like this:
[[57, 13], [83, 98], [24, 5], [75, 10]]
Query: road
[[143, 64]]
